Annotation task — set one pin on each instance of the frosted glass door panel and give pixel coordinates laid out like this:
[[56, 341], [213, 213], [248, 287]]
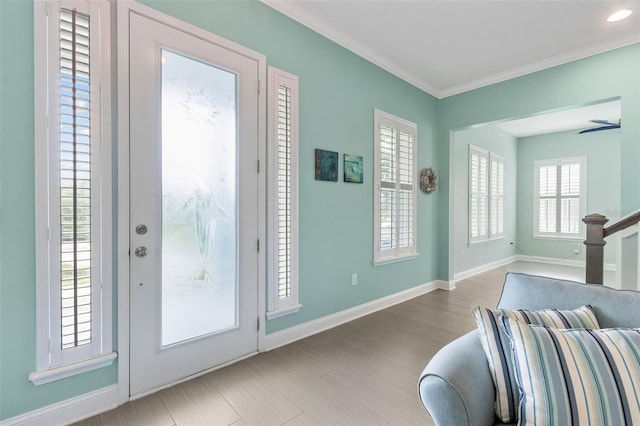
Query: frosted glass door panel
[[194, 191], [199, 221]]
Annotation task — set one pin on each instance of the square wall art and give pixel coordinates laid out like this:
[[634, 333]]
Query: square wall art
[[326, 165], [353, 168]]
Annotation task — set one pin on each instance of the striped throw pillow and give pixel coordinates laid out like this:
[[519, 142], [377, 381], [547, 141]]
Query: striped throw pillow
[[497, 347], [576, 377]]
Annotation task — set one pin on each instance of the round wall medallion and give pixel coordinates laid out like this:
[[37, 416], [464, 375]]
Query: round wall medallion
[[428, 180]]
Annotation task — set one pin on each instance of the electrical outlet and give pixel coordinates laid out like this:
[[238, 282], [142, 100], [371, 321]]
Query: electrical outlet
[[354, 279], [461, 254], [576, 248]]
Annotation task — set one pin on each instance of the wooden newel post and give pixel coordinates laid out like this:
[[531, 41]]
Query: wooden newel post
[[595, 247]]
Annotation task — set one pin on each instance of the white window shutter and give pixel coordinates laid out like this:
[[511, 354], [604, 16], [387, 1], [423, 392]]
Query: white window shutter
[[560, 197], [405, 192], [478, 194], [486, 195], [75, 179], [283, 193], [395, 195], [388, 196], [496, 202], [73, 188]]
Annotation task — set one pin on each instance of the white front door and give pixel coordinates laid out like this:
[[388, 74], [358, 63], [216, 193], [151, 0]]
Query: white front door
[[193, 204]]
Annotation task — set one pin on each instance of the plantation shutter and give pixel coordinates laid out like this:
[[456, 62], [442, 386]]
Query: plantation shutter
[[496, 203], [405, 191], [283, 193], [570, 198], [75, 179], [478, 194], [547, 191], [73, 175], [388, 174], [560, 196], [395, 221]]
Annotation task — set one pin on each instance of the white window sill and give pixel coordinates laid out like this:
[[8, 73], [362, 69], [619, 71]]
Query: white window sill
[[560, 237], [395, 259], [280, 312], [58, 373], [488, 240]]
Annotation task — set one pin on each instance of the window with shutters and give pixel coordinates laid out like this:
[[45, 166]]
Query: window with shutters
[[395, 175], [560, 197], [486, 195], [73, 188], [282, 98]]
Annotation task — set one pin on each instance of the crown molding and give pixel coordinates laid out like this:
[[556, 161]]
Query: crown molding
[[541, 65], [310, 21], [291, 10]]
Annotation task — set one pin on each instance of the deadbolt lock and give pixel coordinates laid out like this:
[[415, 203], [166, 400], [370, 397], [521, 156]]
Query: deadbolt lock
[[141, 251]]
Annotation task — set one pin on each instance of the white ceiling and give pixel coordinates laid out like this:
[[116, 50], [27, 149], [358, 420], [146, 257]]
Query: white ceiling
[[564, 120], [446, 47]]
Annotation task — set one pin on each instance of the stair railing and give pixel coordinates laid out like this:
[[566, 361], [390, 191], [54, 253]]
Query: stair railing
[[596, 233]]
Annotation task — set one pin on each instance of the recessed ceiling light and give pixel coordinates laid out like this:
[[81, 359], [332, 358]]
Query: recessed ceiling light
[[619, 15]]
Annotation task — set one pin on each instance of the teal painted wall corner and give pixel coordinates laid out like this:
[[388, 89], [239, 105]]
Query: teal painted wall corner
[[469, 256], [614, 74], [602, 150]]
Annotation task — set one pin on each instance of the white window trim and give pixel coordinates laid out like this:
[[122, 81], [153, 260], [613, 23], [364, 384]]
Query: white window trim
[[393, 255], [52, 364], [276, 306], [582, 160], [490, 236]]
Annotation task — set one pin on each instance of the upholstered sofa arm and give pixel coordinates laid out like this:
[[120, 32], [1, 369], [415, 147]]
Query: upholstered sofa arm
[[456, 387]]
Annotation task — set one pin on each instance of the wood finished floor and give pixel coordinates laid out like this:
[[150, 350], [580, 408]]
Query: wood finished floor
[[361, 373]]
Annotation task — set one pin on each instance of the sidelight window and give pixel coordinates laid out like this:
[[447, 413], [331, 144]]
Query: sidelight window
[[73, 188]]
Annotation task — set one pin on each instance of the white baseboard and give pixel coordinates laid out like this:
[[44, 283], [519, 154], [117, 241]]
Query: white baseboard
[[445, 285], [101, 400], [525, 258], [562, 262], [70, 410], [483, 268], [292, 334]]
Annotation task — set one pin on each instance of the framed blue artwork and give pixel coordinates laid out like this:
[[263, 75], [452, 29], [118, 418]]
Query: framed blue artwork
[[353, 168], [326, 165]]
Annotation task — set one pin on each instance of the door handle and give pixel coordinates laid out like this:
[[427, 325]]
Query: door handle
[[141, 251]]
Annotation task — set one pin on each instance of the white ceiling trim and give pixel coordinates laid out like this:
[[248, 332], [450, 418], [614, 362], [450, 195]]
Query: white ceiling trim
[[541, 65], [312, 22]]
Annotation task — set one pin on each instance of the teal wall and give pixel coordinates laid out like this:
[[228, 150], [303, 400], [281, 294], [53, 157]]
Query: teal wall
[[492, 139], [602, 150], [605, 76], [338, 92]]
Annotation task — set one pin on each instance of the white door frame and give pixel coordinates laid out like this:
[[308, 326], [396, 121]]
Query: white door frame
[[124, 8]]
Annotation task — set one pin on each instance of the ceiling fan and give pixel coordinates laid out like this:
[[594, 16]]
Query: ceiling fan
[[605, 125]]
